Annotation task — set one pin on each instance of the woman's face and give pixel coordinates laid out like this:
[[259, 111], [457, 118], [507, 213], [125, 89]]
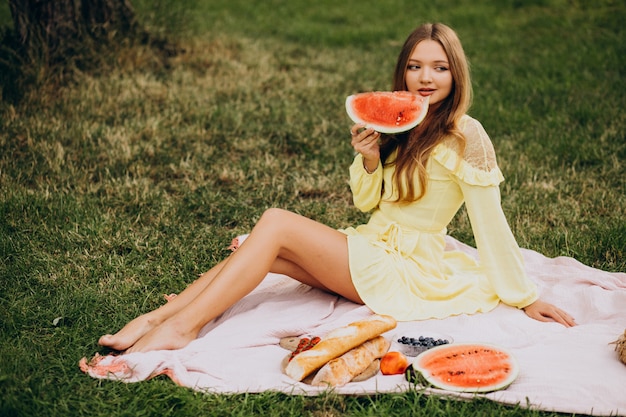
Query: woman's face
[[428, 71]]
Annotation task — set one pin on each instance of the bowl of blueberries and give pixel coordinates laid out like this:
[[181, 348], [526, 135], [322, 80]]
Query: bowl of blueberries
[[414, 345]]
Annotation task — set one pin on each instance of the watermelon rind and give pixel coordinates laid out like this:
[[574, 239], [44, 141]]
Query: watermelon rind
[[419, 373], [399, 98]]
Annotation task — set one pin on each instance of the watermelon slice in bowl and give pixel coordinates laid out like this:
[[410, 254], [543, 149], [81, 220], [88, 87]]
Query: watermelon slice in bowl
[[465, 367], [387, 111]]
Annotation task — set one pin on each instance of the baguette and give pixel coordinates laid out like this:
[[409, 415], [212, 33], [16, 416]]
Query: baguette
[[336, 343], [343, 369]]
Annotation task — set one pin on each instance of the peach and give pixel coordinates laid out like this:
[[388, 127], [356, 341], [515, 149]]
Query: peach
[[393, 363]]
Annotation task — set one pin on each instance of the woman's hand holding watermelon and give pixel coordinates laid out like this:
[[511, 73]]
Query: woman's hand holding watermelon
[[543, 311], [365, 142]]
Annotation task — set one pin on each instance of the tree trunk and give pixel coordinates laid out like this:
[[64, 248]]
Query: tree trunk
[[56, 30], [51, 39]]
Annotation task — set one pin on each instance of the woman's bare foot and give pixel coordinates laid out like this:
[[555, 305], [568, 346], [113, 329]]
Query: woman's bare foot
[[170, 335], [131, 333]]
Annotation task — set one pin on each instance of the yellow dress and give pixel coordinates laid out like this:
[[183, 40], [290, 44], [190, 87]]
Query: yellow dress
[[398, 260]]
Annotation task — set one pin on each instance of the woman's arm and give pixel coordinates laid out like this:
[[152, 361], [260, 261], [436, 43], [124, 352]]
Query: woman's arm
[[366, 173], [501, 257], [366, 188], [499, 253]]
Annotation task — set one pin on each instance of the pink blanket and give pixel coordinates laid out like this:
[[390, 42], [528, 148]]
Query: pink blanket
[[573, 370]]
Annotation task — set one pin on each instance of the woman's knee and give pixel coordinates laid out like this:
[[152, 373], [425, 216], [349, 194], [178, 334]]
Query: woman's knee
[[274, 218]]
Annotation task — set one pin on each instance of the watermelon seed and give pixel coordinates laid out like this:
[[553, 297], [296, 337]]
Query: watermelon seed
[[456, 373]]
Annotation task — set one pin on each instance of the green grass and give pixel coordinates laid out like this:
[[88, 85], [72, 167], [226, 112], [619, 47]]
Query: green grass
[[118, 188]]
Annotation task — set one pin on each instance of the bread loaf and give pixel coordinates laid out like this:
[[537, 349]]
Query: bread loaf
[[343, 369], [336, 343]]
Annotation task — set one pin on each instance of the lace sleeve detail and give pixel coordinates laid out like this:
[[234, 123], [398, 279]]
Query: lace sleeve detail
[[478, 166]]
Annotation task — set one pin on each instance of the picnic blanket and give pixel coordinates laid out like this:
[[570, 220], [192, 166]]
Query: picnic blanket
[[573, 370]]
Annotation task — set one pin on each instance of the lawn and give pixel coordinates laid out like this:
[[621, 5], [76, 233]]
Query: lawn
[[124, 185]]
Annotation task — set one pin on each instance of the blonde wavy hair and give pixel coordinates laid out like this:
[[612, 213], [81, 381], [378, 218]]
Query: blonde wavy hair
[[414, 147]]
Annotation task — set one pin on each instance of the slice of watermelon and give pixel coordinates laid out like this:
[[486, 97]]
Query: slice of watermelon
[[387, 112], [467, 367]]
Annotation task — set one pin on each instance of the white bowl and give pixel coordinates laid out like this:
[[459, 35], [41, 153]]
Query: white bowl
[[417, 347]]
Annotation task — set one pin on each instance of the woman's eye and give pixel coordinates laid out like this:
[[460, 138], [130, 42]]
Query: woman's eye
[[441, 69], [413, 67]]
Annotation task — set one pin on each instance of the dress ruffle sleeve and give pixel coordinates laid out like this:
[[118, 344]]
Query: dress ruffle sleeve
[[478, 165], [463, 170], [366, 188]]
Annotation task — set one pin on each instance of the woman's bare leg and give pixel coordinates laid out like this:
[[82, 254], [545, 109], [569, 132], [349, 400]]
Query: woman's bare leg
[[141, 325], [316, 255]]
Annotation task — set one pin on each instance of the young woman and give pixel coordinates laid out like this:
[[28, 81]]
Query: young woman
[[396, 264]]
